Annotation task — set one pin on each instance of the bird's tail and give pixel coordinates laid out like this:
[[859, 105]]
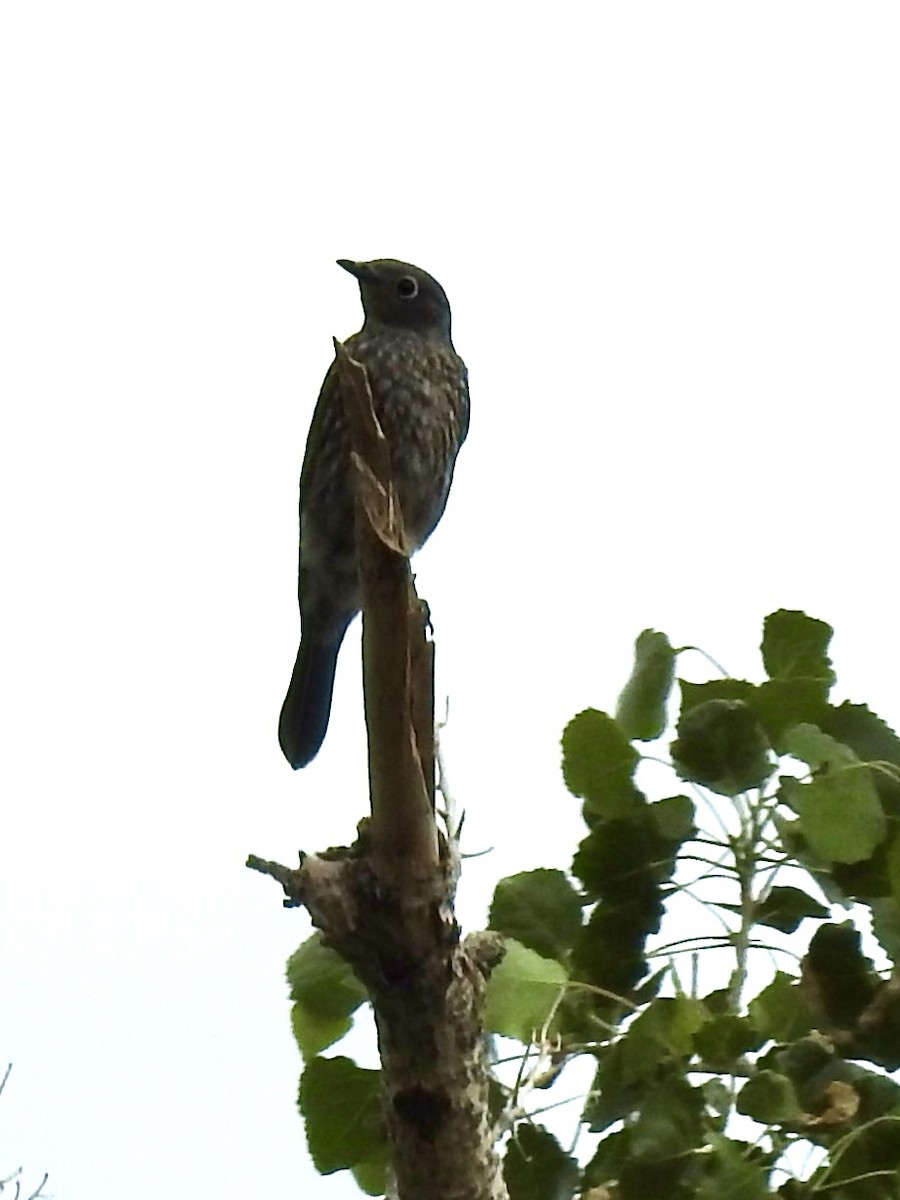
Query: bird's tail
[[307, 705]]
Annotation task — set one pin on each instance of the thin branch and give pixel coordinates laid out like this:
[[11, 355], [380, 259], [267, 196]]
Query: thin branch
[[289, 878]]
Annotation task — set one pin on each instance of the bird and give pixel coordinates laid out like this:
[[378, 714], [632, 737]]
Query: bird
[[420, 392]]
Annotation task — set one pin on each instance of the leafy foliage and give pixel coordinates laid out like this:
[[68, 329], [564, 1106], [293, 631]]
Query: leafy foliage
[[341, 1104], [540, 909], [721, 1067], [785, 907], [598, 764], [722, 745], [802, 1059], [536, 1166], [523, 992], [325, 992], [641, 711]]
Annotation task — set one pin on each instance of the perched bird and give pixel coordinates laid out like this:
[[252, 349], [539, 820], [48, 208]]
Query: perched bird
[[421, 395]]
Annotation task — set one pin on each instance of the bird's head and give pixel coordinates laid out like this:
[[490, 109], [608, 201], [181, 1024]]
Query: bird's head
[[400, 295]]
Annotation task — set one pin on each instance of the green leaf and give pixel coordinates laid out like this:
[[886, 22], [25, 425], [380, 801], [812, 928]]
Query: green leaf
[[695, 694], [609, 951], [858, 727], [866, 880], [879, 1095], [669, 1122], [320, 979], [641, 710], [721, 745], [872, 740], [673, 818], [598, 764], [609, 1159], [718, 1097], [665, 1029], [659, 1178], [719, 1000], [522, 992], [780, 1012], [782, 703], [795, 646], [326, 994], [341, 1105], [838, 979], [621, 863], [724, 1039], [806, 1062], [612, 1096], [816, 748], [777, 703], [628, 1177], [314, 1032], [886, 926], [733, 1172], [783, 908], [655, 1046], [536, 1167], [538, 908], [840, 814], [371, 1178], [769, 1098], [620, 859], [650, 987]]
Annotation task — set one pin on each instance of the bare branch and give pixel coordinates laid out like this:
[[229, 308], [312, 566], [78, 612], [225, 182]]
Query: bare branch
[[40, 1187]]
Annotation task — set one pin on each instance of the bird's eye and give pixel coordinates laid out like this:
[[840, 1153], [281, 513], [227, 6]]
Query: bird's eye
[[407, 288]]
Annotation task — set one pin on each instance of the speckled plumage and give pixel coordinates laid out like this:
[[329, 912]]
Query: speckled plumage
[[421, 396]]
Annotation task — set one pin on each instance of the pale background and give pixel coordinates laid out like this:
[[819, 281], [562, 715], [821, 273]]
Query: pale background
[[669, 234]]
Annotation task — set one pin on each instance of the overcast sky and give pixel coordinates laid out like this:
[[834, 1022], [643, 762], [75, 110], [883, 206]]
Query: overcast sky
[[669, 236]]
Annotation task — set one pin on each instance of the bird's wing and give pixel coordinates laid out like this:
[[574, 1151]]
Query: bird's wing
[[326, 412], [464, 407]]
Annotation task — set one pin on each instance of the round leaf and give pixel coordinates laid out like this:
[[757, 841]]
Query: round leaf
[[536, 1166], [769, 1098], [521, 992], [721, 745], [538, 908], [794, 646], [598, 763], [341, 1105]]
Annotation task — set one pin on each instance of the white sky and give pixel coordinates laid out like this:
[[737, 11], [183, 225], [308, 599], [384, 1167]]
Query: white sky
[[669, 234]]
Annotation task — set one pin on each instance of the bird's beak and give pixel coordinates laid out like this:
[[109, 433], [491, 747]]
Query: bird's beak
[[362, 271]]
